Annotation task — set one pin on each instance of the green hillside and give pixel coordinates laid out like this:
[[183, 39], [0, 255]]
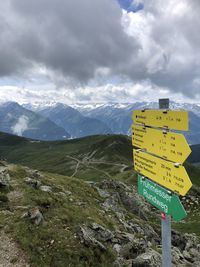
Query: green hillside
[[89, 158], [69, 205], [96, 220], [101, 224]]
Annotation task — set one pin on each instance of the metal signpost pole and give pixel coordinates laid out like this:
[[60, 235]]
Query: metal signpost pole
[[166, 219], [158, 160]]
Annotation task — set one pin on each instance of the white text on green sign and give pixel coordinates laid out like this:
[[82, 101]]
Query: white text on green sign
[[161, 199]]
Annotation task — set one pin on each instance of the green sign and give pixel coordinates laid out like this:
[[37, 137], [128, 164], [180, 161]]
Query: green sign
[[161, 198]]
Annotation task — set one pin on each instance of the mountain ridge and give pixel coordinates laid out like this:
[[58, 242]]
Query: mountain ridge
[[117, 116], [15, 119], [73, 121]]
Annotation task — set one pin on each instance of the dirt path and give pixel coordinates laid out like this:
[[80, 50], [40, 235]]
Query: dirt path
[[87, 162], [77, 165], [10, 254]]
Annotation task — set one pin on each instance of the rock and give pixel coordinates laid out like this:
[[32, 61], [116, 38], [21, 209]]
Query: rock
[[178, 240], [113, 184], [195, 264], [176, 255], [187, 256], [129, 251], [122, 194], [194, 253], [117, 248], [101, 233], [123, 262], [133, 204], [4, 178], [80, 203], [88, 239], [150, 258], [135, 247], [95, 235], [34, 215], [112, 203], [63, 194], [151, 235], [191, 241], [127, 245], [36, 174], [68, 193], [133, 239], [45, 188], [32, 182], [3, 162], [102, 192]]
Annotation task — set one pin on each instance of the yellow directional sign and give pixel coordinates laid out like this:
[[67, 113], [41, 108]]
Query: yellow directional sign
[[171, 119], [169, 145], [163, 172]]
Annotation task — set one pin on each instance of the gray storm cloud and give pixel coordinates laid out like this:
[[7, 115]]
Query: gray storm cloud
[[81, 39], [21, 125], [71, 36]]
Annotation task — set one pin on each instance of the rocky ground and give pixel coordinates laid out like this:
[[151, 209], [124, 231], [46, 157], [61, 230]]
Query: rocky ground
[[123, 224], [140, 243]]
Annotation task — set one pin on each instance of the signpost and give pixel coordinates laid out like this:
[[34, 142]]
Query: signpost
[[169, 119], [161, 198], [168, 145], [166, 173], [159, 158]]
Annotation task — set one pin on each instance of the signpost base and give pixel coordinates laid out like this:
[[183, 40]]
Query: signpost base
[[166, 241]]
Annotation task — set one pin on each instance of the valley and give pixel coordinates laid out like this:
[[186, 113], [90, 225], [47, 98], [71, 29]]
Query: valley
[[97, 157]]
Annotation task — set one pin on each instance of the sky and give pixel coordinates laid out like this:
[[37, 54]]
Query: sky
[[99, 50]]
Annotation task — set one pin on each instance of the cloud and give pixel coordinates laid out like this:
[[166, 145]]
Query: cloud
[[75, 38], [120, 92], [74, 44], [21, 125], [168, 35]]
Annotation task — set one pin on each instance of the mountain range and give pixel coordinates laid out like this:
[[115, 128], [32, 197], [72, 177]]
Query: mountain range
[[74, 121], [15, 119], [56, 121]]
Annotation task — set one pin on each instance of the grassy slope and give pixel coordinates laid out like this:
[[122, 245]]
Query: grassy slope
[[61, 158], [55, 243], [98, 157]]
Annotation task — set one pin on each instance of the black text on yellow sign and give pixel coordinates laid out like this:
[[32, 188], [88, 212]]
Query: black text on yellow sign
[[169, 145], [171, 119], [162, 172]]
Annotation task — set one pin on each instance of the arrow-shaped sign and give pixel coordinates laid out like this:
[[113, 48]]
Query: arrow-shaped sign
[[169, 145], [172, 119], [165, 173], [161, 198]]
